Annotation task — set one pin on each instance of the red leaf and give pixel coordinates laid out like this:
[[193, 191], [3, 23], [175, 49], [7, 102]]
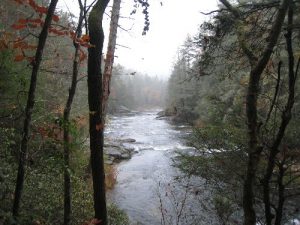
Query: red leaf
[[18, 26], [41, 9], [38, 20], [55, 18], [32, 4], [19, 58], [22, 21]]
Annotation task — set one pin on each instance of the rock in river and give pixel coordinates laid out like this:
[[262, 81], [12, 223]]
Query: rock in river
[[117, 150]]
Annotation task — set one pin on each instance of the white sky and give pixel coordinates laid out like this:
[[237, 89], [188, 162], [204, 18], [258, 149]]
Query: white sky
[[170, 24]]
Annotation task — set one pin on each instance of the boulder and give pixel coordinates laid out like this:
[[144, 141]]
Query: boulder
[[128, 140]]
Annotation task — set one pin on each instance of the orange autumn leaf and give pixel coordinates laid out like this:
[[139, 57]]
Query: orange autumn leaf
[[82, 55], [85, 38], [20, 44], [72, 34], [19, 58]]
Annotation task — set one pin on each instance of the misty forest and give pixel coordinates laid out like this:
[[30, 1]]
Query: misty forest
[[86, 138]]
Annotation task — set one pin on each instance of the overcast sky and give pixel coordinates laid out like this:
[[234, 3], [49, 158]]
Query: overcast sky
[[170, 23]]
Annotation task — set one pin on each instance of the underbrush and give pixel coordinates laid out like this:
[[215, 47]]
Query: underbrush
[[42, 199]]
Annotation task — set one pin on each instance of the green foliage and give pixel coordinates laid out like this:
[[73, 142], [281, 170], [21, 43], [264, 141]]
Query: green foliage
[[8, 171], [215, 150], [42, 202], [224, 208], [212, 85], [117, 216]]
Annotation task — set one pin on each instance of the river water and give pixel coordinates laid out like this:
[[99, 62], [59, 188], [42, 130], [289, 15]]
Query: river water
[[147, 187]]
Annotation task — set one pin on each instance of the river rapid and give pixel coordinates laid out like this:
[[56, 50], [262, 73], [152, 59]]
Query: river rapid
[[147, 185]]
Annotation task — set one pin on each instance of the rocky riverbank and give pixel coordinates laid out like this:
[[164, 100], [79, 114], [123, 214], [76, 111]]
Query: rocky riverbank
[[117, 150]]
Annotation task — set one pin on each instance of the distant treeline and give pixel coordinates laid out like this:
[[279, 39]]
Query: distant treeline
[[136, 91]]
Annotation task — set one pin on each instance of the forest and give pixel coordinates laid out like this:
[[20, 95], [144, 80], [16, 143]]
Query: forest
[[85, 140]]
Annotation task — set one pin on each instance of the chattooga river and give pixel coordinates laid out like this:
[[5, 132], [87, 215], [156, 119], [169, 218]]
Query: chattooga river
[[146, 185]]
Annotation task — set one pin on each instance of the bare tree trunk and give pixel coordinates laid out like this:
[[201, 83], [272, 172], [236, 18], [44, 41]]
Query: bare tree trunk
[[67, 110], [95, 99], [109, 60], [29, 107]]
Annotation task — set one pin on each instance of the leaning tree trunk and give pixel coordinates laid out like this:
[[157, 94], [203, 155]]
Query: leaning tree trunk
[[95, 99], [29, 107], [66, 125], [110, 54]]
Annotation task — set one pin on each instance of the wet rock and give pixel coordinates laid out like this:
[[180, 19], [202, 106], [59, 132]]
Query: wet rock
[[109, 161], [128, 140], [125, 156], [169, 112], [118, 149], [129, 149]]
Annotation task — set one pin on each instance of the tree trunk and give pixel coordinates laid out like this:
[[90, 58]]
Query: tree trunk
[[95, 99], [109, 60], [29, 107], [67, 110]]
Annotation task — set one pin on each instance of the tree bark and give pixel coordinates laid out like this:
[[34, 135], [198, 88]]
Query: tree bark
[[281, 198], [95, 99], [66, 124], [110, 54], [29, 107]]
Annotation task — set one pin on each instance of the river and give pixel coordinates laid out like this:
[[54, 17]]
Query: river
[[147, 187]]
